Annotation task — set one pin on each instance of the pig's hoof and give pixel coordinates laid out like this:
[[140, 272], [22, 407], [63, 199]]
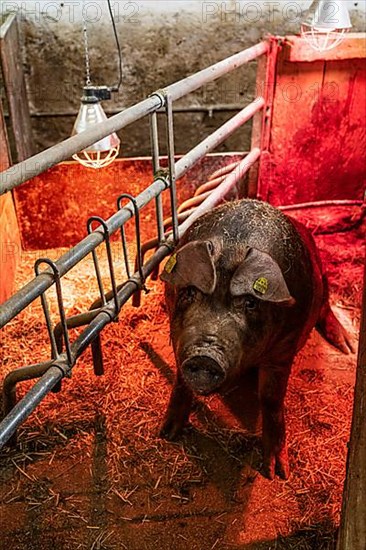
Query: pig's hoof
[[335, 333], [339, 337], [276, 464], [171, 429]]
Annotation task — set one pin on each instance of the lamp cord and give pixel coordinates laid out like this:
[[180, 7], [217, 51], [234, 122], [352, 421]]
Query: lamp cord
[[87, 58], [86, 47], [117, 87]]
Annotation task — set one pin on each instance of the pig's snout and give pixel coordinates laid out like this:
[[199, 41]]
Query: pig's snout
[[203, 373]]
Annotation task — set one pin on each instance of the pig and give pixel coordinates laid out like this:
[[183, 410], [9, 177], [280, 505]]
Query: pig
[[244, 288]]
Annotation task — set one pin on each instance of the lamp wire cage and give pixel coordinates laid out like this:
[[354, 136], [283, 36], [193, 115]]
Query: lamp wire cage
[[97, 159], [323, 40], [325, 24]]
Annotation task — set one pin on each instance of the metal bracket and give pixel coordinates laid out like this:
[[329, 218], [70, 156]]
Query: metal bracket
[[162, 95]]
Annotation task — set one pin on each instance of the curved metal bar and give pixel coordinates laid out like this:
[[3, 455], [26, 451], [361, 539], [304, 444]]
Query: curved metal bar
[[20, 375], [96, 262], [25, 406], [9, 388], [46, 312], [208, 186], [317, 204], [75, 321], [193, 202], [182, 216], [57, 278], [107, 239], [137, 231]]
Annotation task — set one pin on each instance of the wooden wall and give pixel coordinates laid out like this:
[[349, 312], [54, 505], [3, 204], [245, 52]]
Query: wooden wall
[[16, 92], [10, 247], [318, 124]]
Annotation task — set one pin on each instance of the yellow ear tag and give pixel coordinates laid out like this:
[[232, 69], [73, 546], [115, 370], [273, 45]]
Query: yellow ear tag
[[261, 285], [170, 265]]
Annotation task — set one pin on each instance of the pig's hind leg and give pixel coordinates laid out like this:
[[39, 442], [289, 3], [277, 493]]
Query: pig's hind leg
[[329, 326], [179, 408], [272, 391]]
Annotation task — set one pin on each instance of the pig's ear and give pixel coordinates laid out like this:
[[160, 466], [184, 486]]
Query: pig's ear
[[192, 265], [260, 276]]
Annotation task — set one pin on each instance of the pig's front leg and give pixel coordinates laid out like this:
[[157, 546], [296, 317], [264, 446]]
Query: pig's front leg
[[179, 408], [272, 391]]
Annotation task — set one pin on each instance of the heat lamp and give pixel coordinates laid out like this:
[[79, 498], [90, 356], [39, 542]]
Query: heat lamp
[[325, 24], [105, 151]]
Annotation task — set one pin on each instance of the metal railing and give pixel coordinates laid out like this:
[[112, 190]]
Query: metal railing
[[23, 171], [61, 363]]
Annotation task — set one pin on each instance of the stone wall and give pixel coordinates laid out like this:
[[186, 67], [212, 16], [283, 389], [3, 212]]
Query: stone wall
[[162, 42]]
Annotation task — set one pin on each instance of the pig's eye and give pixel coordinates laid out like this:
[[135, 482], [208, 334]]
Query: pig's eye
[[191, 292], [187, 295], [250, 302], [246, 302]]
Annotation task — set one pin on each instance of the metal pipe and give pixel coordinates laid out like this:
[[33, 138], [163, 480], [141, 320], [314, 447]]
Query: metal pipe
[[96, 349], [317, 204], [216, 108], [181, 217], [12, 379], [137, 232], [61, 309], [193, 202], [171, 165], [109, 257], [197, 199], [19, 375], [217, 137], [76, 321], [223, 171], [16, 303], [219, 193], [26, 406], [154, 138], [208, 186], [191, 83], [23, 171], [47, 316]]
